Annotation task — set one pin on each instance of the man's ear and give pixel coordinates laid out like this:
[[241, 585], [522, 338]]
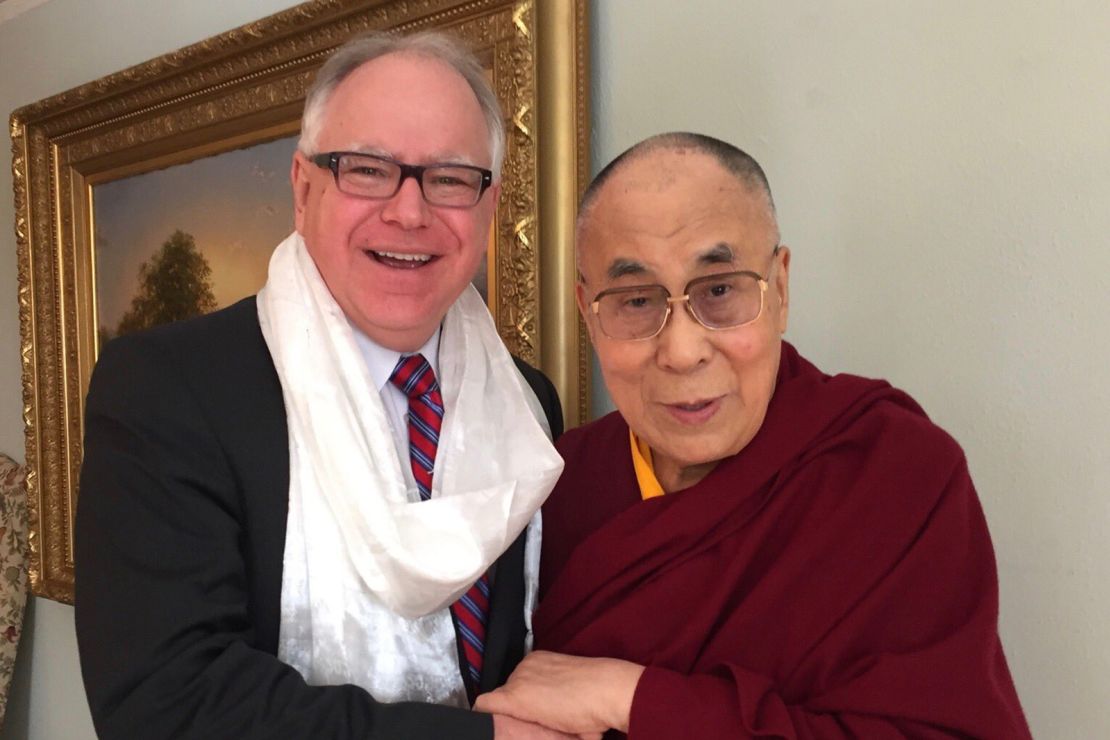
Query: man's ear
[[490, 200], [298, 175], [780, 284]]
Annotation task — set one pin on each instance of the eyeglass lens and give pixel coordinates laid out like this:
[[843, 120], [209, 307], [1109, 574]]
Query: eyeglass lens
[[373, 177], [716, 301]]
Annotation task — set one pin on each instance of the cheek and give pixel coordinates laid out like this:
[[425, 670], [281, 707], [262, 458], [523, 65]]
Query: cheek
[[745, 349], [471, 229], [754, 364], [625, 372], [752, 346], [335, 223], [741, 357], [327, 260]]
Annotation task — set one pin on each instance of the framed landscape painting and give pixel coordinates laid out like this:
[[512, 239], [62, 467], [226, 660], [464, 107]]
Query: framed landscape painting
[[186, 240], [160, 191]]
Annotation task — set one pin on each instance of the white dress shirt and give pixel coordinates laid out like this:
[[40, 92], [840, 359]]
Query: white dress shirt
[[381, 361]]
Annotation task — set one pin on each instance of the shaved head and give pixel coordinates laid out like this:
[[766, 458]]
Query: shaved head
[[733, 160]]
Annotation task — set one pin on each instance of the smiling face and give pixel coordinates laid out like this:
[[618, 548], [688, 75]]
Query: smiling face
[[695, 395], [396, 265]]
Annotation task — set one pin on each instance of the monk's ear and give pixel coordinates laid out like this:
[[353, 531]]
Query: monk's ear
[[780, 288], [583, 308], [298, 174]]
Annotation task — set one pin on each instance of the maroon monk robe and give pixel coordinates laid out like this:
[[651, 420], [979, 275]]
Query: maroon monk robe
[[834, 579]]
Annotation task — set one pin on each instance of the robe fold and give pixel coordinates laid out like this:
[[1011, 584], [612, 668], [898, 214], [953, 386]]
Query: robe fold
[[833, 579]]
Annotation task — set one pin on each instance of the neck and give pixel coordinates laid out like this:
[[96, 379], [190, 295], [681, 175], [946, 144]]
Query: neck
[[398, 341], [674, 477]]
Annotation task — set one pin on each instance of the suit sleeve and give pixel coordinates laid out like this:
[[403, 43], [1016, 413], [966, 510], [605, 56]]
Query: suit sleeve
[[918, 657], [165, 637]]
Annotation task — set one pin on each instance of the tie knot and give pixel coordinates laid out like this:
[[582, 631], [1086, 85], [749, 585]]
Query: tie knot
[[414, 376]]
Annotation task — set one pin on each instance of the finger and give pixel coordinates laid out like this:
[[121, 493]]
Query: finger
[[506, 727], [494, 702]]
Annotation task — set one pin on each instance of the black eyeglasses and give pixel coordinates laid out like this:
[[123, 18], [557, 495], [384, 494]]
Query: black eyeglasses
[[727, 300], [368, 176]]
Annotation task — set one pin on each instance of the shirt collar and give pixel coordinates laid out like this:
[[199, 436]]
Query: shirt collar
[[381, 361]]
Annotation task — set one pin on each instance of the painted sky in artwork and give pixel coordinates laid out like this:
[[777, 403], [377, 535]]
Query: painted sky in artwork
[[237, 205]]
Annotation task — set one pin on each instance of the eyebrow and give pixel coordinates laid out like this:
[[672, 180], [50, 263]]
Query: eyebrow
[[367, 151], [454, 159], [620, 267], [449, 159], [719, 254]]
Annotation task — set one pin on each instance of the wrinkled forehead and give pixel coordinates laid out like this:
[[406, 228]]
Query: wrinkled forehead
[[673, 209]]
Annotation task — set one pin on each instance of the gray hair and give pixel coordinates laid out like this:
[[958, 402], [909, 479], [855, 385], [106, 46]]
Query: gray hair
[[429, 44]]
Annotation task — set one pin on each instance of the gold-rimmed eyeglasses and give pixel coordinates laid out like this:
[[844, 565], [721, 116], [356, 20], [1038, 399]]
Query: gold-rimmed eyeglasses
[[725, 300]]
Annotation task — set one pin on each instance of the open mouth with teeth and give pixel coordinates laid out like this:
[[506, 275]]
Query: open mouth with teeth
[[402, 261]]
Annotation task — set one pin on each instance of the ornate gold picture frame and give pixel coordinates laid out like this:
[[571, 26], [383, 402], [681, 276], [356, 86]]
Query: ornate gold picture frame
[[244, 87]]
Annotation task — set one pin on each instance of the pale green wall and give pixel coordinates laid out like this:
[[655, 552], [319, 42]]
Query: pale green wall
[[942, 173]]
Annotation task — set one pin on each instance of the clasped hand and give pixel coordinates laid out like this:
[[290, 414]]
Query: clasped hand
[[580, 697]]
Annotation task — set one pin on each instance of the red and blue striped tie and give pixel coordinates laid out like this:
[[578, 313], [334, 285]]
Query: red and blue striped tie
[[414, 376]]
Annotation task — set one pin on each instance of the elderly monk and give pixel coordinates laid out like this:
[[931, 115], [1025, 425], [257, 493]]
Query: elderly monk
[[303, 516], [750, 547]]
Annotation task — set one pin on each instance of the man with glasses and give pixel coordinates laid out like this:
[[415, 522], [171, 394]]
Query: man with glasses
[[304, 516], [748, 547]]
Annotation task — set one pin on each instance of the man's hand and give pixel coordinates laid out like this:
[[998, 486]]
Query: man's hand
[[579, 696], [511, 728]]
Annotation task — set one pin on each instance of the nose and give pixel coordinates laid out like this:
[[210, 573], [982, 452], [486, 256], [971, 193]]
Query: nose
[[407, 208], [683, 344]]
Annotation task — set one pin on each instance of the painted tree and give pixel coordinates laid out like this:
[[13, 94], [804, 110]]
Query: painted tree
[[175, 284]]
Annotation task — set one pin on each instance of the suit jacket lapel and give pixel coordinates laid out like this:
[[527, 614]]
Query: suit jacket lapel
[[505, 629]]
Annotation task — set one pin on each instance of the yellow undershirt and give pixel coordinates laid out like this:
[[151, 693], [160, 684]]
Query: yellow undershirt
[[645, 471]]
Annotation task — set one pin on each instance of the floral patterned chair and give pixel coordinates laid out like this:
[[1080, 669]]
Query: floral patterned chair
[[13, 568]]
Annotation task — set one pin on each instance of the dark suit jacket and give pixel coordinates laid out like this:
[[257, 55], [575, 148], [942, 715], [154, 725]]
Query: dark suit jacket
[[180, 537]]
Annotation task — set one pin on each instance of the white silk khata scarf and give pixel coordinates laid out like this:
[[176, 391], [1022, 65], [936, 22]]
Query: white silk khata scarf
[[369, 569]]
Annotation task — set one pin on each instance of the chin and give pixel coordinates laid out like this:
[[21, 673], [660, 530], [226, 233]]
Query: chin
[[403, 313]]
